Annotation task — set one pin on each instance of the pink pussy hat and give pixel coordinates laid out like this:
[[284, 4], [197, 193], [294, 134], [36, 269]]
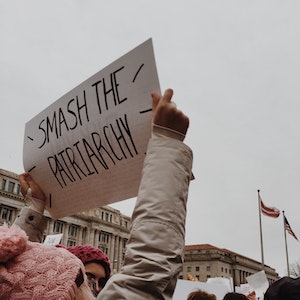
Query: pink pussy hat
[[35, 271]]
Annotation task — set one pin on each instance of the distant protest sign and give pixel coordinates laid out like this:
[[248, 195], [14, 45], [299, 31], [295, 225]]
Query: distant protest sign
[[184, 287], [87, 149]]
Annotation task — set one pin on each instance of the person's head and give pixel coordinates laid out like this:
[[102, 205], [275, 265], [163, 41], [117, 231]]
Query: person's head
[[286, 288], [201, 295], [34, 271], [235, 296], [96, 263]]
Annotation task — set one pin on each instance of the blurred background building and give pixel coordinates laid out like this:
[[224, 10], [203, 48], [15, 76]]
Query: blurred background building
[[108, 229]]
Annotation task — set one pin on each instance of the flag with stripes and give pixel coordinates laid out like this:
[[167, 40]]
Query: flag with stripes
[[272, 212], [288, 228]]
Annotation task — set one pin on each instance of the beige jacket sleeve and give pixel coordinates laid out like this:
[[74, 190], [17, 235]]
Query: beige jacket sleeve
[[32, 222], [154, 254]]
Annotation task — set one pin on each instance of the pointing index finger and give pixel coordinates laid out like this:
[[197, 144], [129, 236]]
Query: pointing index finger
[[167, 96]]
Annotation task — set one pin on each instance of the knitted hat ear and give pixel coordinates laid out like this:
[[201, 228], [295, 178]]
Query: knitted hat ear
[[13, 242]]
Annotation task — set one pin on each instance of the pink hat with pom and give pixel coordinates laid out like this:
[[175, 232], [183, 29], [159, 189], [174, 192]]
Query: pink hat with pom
[[35, 271]]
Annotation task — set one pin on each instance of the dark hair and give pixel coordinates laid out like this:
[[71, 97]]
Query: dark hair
[[201, 295], [235, 296]]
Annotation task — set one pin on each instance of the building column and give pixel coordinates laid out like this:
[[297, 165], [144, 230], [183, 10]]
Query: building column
[[65, 234], [51, 227], [80, 235], [91, 236], [96, 237]]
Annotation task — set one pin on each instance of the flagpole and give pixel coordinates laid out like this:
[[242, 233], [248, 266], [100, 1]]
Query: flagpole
[[260, 229], [286, 249]]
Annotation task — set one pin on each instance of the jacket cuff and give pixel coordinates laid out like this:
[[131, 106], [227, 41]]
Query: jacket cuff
[[32, 222], [168, 132]]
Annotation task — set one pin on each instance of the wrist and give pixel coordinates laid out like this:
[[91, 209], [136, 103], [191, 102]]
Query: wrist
[[35, 204], [168, 132]]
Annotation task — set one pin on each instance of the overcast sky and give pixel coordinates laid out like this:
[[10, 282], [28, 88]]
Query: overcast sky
[[235, 70]]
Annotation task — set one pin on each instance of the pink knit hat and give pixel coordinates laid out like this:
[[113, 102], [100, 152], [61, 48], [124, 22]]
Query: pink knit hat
[[87, 254], [35, 271]]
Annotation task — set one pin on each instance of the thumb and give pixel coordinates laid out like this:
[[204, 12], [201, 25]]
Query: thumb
[[155, 101]]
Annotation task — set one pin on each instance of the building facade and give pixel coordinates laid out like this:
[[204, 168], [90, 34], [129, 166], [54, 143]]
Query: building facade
[[103, 227], [204, 261], [107, 229]]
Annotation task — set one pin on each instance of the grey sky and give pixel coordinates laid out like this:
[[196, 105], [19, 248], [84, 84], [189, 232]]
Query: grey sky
[[235, 70]]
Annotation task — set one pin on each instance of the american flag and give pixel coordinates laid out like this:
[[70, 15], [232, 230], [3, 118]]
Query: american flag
[[288, 228], [272, 212]]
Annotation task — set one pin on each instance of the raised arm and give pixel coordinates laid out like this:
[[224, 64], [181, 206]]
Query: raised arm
[[154, 254]]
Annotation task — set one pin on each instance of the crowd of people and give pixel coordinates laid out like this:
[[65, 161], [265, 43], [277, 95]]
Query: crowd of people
[[154, 253], [286, 288]]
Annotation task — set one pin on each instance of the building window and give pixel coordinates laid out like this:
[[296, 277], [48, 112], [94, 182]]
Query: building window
[[226, 270], [229, 271], [105, 216], [103, 237], [125, 224], [222, 269], [208, 268], [207, 276], [73, 230], [3, 184], [6, 213], [11, 186], [18, 189], [189, 269], [198, 277], [58, 227], [197, 269], [104, 249], [124, 243], [71, 243]]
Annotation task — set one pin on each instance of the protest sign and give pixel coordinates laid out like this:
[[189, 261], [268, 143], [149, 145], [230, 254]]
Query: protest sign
[[87, 149], [184, 287], [259, 283], [53, 239]]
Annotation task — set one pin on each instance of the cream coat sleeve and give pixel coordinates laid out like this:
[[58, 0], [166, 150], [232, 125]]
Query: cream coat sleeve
[[154, 254], [32, 222]]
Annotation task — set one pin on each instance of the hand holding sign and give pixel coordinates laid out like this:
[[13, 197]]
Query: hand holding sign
[[166, 114], [26, 183]]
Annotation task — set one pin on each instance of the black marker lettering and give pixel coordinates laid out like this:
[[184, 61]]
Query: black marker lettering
[[72, 113], [83, 106], [45, 134]]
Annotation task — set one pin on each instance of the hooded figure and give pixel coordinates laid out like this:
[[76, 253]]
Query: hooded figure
[[286, 288]]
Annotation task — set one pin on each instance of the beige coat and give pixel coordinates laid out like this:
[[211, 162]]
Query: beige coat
[[154, 254]]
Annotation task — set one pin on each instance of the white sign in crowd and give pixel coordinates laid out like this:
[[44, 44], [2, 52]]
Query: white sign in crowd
[[220, 286]]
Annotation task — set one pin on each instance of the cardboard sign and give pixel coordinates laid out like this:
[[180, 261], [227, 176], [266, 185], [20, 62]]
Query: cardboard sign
[[87, 149], [53, 239]]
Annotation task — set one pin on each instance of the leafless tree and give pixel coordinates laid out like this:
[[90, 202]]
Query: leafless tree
[[295, 269]]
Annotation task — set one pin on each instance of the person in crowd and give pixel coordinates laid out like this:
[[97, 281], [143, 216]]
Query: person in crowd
[[251, 295], [154, 253], [286, 288], [31, 219], [201, 295], [235, 296], [96, 263], [30, 270]]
